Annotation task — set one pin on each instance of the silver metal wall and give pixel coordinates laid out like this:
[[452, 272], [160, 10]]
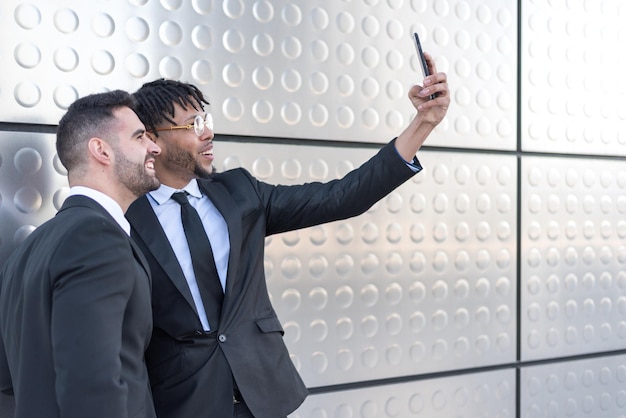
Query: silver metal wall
[[491, 285]]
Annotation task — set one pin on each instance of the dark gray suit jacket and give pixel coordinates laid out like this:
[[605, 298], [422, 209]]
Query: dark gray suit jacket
[[192, 372], [75, 319]]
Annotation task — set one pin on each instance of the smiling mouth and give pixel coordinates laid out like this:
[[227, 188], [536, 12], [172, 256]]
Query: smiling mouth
[[150, 165]]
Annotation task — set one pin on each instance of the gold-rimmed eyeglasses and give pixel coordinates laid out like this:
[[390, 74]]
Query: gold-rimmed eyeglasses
[[198, 125]]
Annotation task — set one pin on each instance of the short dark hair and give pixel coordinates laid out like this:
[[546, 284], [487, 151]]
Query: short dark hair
[[88, 117], [156, 99]]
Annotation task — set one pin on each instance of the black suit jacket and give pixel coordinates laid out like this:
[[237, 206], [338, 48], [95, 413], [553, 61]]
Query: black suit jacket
[[191, 371], [75, 319]]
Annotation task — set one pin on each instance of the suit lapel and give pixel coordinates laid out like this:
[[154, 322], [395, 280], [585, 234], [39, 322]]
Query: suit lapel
[[227, 206], [148, 227]]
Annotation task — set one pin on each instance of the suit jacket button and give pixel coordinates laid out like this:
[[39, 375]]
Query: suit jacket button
[[221, 338]]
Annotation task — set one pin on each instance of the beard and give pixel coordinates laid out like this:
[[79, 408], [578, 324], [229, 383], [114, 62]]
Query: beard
[[134, 176], [176, 157]]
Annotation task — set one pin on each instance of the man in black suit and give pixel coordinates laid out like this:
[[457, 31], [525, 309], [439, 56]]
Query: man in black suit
[[75, 314], [208, 362]]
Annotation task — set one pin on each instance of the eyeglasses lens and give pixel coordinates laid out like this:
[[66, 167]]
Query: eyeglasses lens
[[199, 123]]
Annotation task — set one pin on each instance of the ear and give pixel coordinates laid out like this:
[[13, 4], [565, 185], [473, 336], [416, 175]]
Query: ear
[[100, 151]]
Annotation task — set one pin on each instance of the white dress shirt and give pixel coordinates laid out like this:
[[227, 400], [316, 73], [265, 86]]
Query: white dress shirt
[[168, 213], [110, 205]]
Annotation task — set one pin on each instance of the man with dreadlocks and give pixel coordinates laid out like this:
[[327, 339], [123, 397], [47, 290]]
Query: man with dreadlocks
[[217, 349]]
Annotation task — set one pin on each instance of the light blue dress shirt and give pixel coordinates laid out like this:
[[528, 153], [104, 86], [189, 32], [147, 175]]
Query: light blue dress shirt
[[168, 213]]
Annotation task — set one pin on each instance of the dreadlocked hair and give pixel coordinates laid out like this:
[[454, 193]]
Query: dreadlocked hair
[[156, 100]]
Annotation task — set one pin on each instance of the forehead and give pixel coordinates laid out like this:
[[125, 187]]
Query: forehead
[[127, 119], [182, 113]]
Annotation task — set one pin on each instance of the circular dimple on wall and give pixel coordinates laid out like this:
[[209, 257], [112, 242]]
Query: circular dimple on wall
[[369, 326], [64, 96], [27, 161], [58, 167], [262, 111], [27, 55], [344, 117], [318, 266], [291, 169], [370, 118], [201, 37], [171, 5], [263, 78], [370, 57], [344, 265], [344, 54], [319, 50], [370, 88], [27, 16], [319, 18], [59, 197], [291, 299], [291, 80], [318, 83], [369, 263], [171, 68], [103, 25], [234, 9], [27, 94], [137, 65], [291, 47], [370, 26], [369, 295], [233, 75], [291, 113], [263, 44], [65, 21], [291, 15], [345, 22], [170, 33], [395, 29], [65, 59], [345, 359], [318, 297], [102, 62], [27, 200], [137, 29], [318, 169], [263, 11], [394, 90], [201, 71], [263, 168]]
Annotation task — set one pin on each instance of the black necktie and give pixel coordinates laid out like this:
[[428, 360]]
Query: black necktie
[[202, 260]]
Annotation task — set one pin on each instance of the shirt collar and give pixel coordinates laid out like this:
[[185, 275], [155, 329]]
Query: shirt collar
[[107, 202], [164, 192]]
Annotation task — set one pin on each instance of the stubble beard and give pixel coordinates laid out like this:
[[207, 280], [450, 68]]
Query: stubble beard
[[186, 160], [134, 176]]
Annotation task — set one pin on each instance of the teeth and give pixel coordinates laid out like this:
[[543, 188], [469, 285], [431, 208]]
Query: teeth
[[150, 166]]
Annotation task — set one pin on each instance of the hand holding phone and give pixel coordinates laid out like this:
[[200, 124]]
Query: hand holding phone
[[422, 59]]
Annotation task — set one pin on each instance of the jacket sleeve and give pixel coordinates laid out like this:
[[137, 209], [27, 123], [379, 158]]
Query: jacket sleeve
[[294, 207], [91, 289]]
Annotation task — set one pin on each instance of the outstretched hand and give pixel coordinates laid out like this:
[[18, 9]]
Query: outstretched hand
[[431, 110]]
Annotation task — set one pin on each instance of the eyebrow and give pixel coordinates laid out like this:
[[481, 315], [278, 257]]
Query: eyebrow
[[138, 132]]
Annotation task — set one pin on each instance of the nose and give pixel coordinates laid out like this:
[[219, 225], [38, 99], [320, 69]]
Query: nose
[[153, 148], [207, 135]]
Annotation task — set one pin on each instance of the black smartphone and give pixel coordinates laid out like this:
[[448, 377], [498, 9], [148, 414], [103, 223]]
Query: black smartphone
[[420, 56]]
